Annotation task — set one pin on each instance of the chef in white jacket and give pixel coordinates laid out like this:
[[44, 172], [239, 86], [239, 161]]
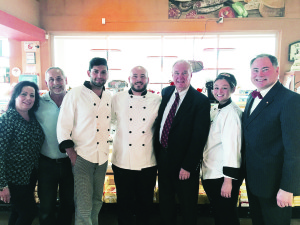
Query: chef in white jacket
[[133, 159], [222, 154]]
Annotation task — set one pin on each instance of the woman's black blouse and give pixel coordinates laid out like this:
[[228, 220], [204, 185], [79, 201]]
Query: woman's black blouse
[[20, 144]]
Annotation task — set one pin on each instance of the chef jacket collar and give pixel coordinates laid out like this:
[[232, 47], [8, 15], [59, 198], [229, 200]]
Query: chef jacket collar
[[131, 93], [224, 105]]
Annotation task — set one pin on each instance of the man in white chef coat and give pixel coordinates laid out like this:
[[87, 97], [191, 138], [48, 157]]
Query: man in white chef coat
[[133, 159]]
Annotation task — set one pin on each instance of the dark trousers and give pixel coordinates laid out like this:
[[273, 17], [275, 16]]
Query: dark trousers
[[134, 194], [54, 173], [186, 190], [265, 211], [23, 206], [224, 209]]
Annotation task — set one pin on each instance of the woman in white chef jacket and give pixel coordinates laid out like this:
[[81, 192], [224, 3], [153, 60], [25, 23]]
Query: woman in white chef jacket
[[222, 154]]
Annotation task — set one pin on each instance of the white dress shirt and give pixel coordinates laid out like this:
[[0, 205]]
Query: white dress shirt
[[84, 118], [223, 147], [182, 95], [263, 94], [133, 117]]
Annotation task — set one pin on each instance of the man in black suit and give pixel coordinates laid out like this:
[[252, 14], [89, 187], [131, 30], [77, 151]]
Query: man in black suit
[[271, 126], [179, 145]]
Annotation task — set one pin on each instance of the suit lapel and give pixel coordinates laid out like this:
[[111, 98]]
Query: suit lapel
[[248, 106], [166, 99], [265, 102], [185, 106]]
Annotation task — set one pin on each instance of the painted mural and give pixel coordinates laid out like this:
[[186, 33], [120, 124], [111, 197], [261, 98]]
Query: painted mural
[[205, 9]]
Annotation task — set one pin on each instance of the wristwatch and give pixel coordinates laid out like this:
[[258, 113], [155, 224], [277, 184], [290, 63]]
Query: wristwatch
[[1, 189]]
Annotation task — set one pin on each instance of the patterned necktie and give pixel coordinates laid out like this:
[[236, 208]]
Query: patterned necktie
[[168, 122], [256, 94]]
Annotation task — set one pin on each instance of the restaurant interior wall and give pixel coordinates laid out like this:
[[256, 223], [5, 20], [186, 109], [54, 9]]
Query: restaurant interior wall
[[85, 16], [133, 16], [26, 10]]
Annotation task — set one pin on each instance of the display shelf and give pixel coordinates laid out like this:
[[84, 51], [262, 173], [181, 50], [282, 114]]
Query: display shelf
[[291, 80]]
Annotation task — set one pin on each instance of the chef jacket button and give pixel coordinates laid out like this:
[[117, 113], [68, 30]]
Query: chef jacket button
[[108, 129], [143, 144], [131, 107], [129, 144], [144, 119], [144, 107], [94, 104], [97, 130], [96, 116], [143, 132], [130, 119], [107, 117], [130, 132], [131, 96], [144, 96], [97, 143], [107, 104]]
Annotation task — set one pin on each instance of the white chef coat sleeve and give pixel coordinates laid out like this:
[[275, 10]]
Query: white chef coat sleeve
[[65, 121]]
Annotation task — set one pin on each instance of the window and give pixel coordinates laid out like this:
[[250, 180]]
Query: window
[[157, 53]]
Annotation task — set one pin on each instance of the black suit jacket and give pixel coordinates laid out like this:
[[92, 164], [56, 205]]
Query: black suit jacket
[[272, 143], [189, 130]]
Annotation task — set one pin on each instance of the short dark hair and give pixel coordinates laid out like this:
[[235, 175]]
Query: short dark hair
[[17, 91], [228, 77], [97, 62], [272, 58]]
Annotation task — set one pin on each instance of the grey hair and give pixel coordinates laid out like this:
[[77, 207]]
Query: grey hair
[[55, 68], [182, 61]]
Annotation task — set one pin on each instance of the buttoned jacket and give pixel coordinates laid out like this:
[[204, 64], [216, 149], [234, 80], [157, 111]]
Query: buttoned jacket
[[133, 117], [84, 119], [272, 143], [188, 132]]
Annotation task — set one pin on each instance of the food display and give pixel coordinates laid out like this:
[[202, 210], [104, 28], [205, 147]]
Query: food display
[[202, 9]]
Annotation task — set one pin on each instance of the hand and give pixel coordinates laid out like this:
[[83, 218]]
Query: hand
[[72, 155], [184, 175], [226, 188], [284, 198], [5, 195]]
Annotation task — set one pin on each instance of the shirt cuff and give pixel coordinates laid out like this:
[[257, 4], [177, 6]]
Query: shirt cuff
[[231, 172], [65, 144]]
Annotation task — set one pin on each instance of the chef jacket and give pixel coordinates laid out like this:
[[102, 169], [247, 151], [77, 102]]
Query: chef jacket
[[222, 153], [84, 122], [133, 117]]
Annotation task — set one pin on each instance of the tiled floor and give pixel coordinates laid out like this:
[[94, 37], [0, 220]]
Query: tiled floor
[[108, 216]]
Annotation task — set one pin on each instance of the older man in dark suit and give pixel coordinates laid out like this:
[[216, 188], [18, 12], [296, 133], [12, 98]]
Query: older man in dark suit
[[271, 125], [182, 128]]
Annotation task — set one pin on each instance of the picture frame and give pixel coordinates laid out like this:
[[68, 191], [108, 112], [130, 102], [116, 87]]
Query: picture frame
[[294, 49], [30, 58]]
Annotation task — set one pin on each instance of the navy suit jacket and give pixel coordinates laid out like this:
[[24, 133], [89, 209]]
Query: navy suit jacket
[[188, 132], [272, 143]]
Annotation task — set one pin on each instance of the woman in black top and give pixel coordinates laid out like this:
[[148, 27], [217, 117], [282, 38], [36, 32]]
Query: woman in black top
[[21, 138]]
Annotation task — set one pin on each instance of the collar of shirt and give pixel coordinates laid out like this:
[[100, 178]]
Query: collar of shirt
[[47, 96], [182, 95], [88, 85], [257, 100], [224, 105], [131, 93], [265, 91]]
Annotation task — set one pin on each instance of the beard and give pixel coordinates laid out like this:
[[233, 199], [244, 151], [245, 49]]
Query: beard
[[98, 84], [142, 89]]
